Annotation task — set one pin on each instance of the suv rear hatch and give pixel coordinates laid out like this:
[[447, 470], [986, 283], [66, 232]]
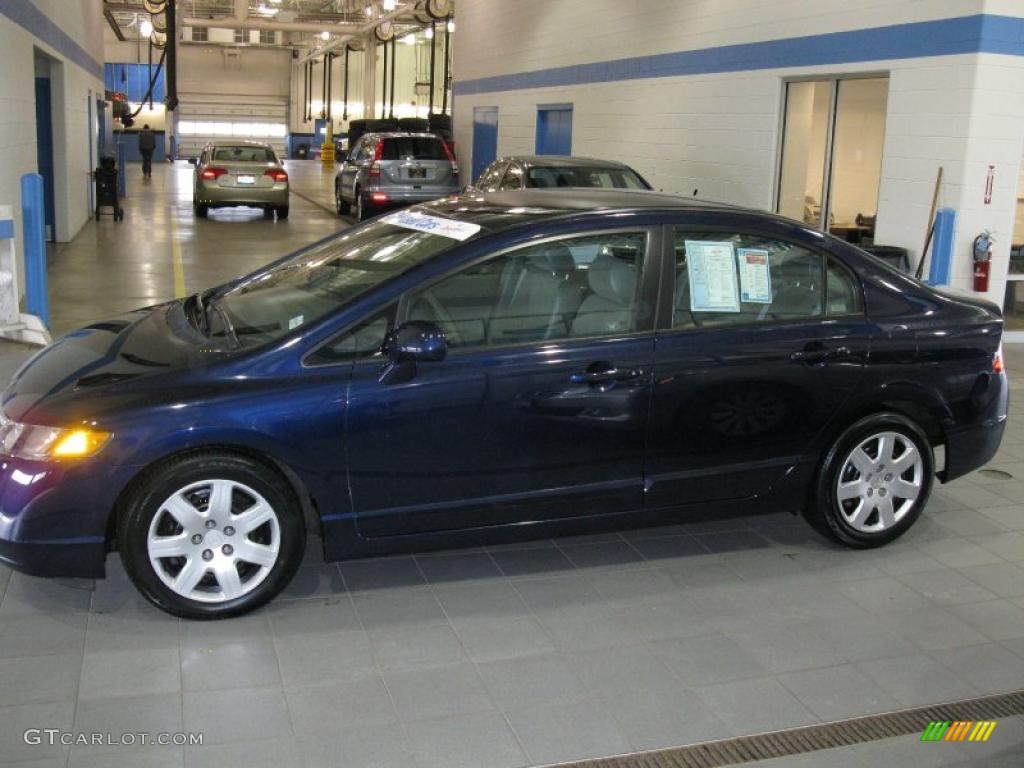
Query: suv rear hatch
[[416, 161]]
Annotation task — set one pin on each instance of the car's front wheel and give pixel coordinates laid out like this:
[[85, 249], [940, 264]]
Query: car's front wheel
[[211, 535], [874, 481]]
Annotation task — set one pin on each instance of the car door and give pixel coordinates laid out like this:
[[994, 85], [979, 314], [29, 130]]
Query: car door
[[766, 341], [538, 411], [350, 169]]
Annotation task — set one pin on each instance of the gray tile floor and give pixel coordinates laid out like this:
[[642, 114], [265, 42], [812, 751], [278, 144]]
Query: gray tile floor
[[517, 655]]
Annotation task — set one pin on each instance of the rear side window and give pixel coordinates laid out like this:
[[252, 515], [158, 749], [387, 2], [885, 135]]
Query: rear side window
[[578, 176], [414, 148], [724, 279]]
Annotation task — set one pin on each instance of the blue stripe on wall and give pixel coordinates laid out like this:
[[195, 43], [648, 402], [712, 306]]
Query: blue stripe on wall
[[945, 37], [31, 19]]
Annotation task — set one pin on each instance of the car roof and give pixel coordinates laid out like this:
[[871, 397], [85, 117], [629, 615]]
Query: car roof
[[496, 211], [565, 161], [403, 134]]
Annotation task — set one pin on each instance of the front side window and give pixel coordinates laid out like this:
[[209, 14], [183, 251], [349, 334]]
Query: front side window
[[724, 279], [513, 178], [491, 178], [572, 288], [363, 340], [319, 281]]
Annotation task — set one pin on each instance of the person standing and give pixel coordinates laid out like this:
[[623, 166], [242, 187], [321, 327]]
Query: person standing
[[147, 143]]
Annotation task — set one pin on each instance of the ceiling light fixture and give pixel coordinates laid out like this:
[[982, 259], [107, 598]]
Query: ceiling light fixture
[[145, 28], [388, 5], [325, 35], [409, 39], [266, 10], [451, 26], [428, 33]]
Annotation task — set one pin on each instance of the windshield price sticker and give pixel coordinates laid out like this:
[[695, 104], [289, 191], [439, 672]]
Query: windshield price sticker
[[755, 277], [435, 225], [712, 272]]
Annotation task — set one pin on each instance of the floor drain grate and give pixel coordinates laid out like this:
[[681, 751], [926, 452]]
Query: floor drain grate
[[811, 738]]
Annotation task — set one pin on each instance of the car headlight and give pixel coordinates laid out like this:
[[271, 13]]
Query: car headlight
[[29, 441]]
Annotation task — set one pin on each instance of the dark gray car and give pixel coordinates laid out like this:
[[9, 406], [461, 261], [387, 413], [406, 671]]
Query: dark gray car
[[554, 171], [385, 170]]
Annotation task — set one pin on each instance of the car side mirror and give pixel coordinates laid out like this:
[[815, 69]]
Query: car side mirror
[[193, 161], [413, 342]]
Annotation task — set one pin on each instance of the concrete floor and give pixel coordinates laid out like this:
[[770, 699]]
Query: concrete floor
[[508, 656]]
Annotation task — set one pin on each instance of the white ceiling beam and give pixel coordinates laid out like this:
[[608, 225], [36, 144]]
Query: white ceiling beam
[[357, 33]]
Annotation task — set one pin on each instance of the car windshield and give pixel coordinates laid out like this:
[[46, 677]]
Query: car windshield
[[244, 154], [581, 176], [319, 281], [415, 147]]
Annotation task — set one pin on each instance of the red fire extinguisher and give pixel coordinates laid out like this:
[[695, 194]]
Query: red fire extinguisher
[[982, 261]]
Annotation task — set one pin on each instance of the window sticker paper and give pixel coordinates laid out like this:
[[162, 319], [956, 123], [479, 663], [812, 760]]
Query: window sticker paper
[[755, 276], [712, 270], [436, 225]]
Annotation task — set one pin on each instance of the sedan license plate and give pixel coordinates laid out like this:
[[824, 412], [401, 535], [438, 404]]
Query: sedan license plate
[[246, 179], [417, 173]]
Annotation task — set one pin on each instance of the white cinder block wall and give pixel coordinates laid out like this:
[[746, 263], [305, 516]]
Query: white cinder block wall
[[75, 82], [719, 133]]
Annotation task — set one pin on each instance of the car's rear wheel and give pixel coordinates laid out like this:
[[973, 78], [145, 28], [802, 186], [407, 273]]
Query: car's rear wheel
[[363, 209], [874, 482], [282, 212], [343, 206], [201, 211], [211, 535]]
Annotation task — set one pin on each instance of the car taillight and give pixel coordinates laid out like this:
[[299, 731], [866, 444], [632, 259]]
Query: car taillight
[[212, 173], [379, 197], [378, 155], [451, 157], [997, 360], [276, 174]]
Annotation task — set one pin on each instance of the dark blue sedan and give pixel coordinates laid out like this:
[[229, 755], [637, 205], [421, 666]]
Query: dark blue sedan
[[493, 367]]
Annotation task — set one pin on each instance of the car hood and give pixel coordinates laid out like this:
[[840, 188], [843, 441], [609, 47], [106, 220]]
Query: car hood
[[150, 342]]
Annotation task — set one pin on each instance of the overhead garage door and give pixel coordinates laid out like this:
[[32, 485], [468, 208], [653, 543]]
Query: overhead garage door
[[202, 119]]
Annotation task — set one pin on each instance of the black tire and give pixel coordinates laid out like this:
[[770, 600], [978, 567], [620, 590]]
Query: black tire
[[282, 212], [364, 210], [268, 213], [97, 213], [202, 211], [823, 510], [165, 479], [341, 205]]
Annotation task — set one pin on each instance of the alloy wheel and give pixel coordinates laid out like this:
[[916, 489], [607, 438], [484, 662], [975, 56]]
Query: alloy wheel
[[214, 540], [880, 481]]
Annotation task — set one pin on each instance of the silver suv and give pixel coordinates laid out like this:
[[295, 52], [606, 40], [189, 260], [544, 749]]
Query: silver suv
[[385, 170]]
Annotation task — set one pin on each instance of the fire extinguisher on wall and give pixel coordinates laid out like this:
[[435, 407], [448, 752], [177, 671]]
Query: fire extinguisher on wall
[[982, 260]]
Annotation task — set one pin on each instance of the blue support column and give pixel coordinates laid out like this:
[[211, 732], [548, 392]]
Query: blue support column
[[33, 217], [122, 169]]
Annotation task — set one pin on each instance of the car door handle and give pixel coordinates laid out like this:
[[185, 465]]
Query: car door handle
[[819, 355], [605, 375]]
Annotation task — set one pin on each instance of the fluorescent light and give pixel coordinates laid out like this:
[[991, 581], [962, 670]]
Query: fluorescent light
[[325, 35], [266, 10], [145, 28], [388, 5], [428, 33], [369, 10], [451, 26], [409, 39]]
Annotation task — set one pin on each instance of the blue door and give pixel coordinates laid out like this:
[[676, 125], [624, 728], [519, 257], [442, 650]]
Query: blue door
[[485, 138], [539, 411], [44, 149], [554, 130]]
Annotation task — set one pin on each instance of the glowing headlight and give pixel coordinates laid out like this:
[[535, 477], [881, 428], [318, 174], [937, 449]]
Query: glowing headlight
[[28, 441]]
